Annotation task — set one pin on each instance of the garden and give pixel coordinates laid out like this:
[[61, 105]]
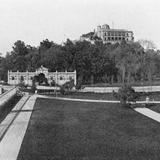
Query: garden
[[85, 130]]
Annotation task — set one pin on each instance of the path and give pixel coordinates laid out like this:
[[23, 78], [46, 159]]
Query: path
[[12, 140], [149, 113]]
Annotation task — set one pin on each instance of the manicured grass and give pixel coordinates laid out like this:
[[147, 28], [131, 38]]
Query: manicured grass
[[66, 130], [155, 107], [5, 109], [89, 95]]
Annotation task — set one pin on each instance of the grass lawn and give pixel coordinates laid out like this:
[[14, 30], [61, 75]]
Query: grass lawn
[[65, 130], [5, 109], [155, 107], [89, 95]]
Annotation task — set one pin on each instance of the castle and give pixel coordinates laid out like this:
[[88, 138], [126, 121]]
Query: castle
[[108, 35]]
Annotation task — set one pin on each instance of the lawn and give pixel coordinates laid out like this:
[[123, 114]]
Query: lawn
[[65, 130], [89, 95], [6, 108]]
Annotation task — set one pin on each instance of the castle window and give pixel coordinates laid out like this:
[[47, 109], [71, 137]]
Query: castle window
[[12, 78]]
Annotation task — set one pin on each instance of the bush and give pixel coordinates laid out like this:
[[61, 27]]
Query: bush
[[126, 95], [67, 87], [53, 83], [22, 85], [33, 88], [78, 86]]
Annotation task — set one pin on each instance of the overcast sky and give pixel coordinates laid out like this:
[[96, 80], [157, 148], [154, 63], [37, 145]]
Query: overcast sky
[[35, 20]]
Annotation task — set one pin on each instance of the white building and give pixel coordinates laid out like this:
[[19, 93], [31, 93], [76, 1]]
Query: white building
[[59, 78], [109, 35]]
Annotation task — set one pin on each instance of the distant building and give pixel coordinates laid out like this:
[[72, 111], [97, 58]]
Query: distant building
[[113, 35], [107, 35], [60, 78]]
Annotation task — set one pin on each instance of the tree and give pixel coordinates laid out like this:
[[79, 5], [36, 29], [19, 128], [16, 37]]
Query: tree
[[126, 94], [19, 48], [67, 87], [147, 44], [45, 45]]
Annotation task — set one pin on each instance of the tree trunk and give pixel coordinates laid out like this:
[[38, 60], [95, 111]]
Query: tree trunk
[[128, 78], [112, 79], [123, 74], [92, 79]]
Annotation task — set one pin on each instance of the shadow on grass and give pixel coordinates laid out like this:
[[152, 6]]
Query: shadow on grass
[[7, 107], [24, 110]]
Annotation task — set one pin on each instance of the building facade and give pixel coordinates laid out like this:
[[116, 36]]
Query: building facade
[[59, 78], [113, 35]]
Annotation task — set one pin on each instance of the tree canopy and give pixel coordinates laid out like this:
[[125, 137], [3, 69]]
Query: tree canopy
[[94, 63]]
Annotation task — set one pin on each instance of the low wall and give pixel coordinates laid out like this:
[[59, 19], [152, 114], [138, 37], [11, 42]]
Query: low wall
[[115, 89], [47, 88], [5, 97]]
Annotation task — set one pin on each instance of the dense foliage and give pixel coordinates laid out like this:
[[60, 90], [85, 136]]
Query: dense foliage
[[94, 63], [126, 94]]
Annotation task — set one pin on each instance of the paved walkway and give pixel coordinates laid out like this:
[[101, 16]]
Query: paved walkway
[[92, 100], [4, 126], [76, 99], [11, 142], [149, 113]]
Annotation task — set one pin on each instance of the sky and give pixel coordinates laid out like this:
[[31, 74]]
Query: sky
[[32, 21]]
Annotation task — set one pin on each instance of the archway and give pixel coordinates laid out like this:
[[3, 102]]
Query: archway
[[40, 79]]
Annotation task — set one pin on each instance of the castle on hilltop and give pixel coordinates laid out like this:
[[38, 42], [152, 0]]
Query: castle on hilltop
[[108, 35]]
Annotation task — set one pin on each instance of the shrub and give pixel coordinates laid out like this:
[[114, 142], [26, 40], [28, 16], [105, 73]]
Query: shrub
[[67, 87], [126, 95], [33, 87], [53, 83], [78, 86]]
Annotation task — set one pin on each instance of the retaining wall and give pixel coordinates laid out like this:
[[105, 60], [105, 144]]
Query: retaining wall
[[111, 89]]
